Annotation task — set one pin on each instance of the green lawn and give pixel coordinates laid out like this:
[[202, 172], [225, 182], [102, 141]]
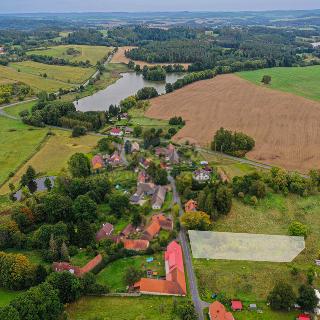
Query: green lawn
[[300, 81], [91, 53], [15, 110], [266, 315], [17, 143], [34, 256], [114, 308], [65, 74], [7, 295], [252, 281], [112, 275], [80, 259]]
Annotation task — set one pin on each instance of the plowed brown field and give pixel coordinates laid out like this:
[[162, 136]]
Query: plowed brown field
[[286, 127]]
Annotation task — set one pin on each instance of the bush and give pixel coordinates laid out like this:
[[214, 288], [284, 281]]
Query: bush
[[298, 229], [78, 131]]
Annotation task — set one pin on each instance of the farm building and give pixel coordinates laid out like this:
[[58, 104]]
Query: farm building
[[136, 245], [158, 222], [175, 283]]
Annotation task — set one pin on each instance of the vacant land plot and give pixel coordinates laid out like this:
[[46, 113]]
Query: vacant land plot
[[15, 110], [113, 274], [91, 53], [252, 281], [120, 57], [53, 156], [304, 82], [17, 143], [110, 308], [64, 74], [284, 126], [36, 82]]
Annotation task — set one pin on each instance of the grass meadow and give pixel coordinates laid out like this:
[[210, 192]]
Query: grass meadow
[[252, 281], [52, 157], [113, 274], [122, 308], [64, 74], [302, 81], [91, 53], [17, 143]]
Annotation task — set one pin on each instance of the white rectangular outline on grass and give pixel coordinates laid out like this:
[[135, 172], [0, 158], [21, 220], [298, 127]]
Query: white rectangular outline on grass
[[244, 246]]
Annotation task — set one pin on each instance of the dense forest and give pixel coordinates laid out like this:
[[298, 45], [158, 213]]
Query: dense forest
[[267, 47]]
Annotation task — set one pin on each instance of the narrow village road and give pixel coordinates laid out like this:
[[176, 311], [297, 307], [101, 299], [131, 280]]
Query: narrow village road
[[199, 305]]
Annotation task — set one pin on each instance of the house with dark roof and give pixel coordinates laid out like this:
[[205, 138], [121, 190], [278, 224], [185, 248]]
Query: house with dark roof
[[158, 197], [143, 189], [170, 153], [217, 311], [175, 283], [105, 231], [127, 230]]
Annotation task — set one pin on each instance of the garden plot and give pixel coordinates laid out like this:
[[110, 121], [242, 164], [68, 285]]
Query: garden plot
[[244, 246]]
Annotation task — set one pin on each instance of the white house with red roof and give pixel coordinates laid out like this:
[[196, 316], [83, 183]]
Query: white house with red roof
[[116, 132]]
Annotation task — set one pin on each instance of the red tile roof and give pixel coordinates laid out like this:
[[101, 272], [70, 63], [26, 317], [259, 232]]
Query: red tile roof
[[136, 245], [66, 266], [175, 283], [217, 311], [158, 222], [304, 317], [92, 264], [236, 305], [191, 205], [115, 131], [97, 162]]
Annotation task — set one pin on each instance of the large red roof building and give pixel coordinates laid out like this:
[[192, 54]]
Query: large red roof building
[[217, 311], [175, 283]]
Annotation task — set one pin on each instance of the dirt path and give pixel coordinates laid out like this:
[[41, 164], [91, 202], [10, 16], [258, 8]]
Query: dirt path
[[285, 127]]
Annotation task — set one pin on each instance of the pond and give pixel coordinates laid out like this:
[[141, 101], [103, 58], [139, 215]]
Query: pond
[[126, 86]]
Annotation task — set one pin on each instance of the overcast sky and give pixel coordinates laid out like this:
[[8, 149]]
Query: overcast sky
[[7, 6]]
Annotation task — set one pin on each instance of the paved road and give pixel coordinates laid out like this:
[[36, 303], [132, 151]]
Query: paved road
[[199, 305]]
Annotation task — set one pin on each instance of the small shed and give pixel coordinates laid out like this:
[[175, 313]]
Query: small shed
[[304, 317], [252, 306], [236, 305]]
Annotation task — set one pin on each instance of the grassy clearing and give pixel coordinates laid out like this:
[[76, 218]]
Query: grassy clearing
[[113, 274], [110, 308], [300, 81], [266, 315], [17, 143], [15, 110], [252, 281], [34, 256], [230, 167], [64, 74], [52, 157], [6, 296], [80, 259], [36, 82], [91, 53]]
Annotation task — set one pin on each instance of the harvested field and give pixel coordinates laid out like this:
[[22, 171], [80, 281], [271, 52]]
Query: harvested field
[[119, 57], [285, 126]]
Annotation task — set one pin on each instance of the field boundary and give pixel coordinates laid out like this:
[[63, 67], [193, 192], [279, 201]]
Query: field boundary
[[36, 150]]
